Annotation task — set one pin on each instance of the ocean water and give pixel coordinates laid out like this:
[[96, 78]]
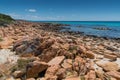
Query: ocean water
[[89, 27]]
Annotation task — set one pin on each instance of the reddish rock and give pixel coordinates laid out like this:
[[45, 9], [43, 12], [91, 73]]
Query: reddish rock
[[34, 68], [51, 78], [6, 43], [73, 78], [52, 70], [90, 54], [65, 46], [82, 49], [109, 56], [109, 66], [48, 54], [100, 74], [79, 59], [61, 73], [18, 74], [31, 79], [114, 74], [46, 44], [91, 75], [67, 64], [57, 60]]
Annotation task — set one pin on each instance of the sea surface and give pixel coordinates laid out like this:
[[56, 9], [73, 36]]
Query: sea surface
[[93, 27]]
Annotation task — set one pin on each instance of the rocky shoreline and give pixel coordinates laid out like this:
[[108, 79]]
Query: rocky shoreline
[[45, 53]]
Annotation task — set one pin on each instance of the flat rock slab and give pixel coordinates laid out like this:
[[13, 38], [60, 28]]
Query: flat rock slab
[[73, 78], [109, 66], [56, 61]]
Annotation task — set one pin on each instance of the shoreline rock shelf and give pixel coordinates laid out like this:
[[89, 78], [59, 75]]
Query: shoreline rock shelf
[[44, 53]]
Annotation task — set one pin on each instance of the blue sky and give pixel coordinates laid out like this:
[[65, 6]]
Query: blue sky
[[69, 10]]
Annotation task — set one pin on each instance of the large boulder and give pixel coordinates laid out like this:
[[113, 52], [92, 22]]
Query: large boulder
[[114, 74], [34, 68], [109, 66], [51, 72], [26, 46]]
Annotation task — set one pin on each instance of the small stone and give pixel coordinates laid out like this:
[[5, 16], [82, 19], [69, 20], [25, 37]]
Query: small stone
[[90, 54], [31, 79], [73, 78], [91, 75], [61, 73], [18, 74], [67, 64], [51, 78]]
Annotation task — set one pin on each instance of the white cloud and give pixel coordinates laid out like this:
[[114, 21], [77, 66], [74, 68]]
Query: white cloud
[[35, 17], [32, 10]]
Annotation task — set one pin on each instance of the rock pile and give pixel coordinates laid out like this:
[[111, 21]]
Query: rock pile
[[46, 55]]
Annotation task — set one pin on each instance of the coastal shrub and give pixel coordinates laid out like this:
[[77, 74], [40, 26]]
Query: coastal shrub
[[4, 19], [21, 64], [72, 48], [1, 39]]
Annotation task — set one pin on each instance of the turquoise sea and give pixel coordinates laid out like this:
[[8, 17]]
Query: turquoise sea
[[89, 27]]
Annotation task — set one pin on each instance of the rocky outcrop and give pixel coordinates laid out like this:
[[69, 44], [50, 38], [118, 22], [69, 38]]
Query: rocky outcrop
[[46, 55]]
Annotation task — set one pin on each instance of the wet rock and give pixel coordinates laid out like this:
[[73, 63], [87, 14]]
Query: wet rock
[[101, 28], [109, 66], [57, 60], [34, 68], [114, 74]]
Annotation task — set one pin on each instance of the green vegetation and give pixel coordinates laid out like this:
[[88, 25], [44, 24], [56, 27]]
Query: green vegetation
[[21, 64], [1, 38], [4, 19]]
